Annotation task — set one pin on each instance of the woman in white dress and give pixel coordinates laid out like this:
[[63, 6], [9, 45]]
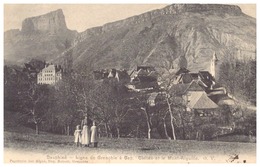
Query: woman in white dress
[[94, 138], [85, 138]]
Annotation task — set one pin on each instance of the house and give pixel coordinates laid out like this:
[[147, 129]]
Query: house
[[206, 81], [203, 78], [200, 104], [50, 75], [144, 73], [195, 98], [119, 75], [144, 78]]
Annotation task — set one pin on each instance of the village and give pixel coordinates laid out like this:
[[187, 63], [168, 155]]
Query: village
[[192, 96]]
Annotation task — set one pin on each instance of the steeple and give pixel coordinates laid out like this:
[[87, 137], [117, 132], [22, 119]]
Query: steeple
[[213, 65]]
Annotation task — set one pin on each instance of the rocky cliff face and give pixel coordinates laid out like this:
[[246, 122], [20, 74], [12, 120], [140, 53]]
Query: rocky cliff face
[[53, 22], [42, 37], [176, 9], [165, 36]]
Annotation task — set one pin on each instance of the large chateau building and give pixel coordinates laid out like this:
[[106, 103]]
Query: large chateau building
[[50, 75]]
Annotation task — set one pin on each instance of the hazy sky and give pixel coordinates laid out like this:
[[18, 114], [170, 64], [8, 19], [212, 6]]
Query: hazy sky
[[81, 17]]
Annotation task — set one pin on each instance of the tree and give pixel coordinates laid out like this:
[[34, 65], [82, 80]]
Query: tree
[[33, 103], [149, 121], [104, 104], [239, 78], [67, 112], [152, 114], [251, 82], [14, 81], [67, 59], [93, 98], [140, 101], [169, 98], [106, 100], [33, 97], [26, 97], [175, 104], [122, 105]]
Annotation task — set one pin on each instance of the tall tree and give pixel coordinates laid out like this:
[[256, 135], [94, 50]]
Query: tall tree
[[33, 97], [33, 102], [239, 78], [67, 112], [167, 79]]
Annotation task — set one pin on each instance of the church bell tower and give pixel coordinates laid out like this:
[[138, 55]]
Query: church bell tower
[[213, 65]]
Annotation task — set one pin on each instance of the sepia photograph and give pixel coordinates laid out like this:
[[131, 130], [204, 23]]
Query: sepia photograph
[[129, 83]]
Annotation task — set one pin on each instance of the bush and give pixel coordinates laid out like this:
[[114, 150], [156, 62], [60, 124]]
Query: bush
[[206, 131]]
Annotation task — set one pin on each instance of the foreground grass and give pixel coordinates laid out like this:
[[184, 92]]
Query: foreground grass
[[49, 148]]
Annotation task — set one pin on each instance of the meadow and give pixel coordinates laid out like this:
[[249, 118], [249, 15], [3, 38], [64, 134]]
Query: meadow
[[51, 148]]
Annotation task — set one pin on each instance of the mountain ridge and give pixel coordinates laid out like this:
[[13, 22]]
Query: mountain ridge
[[170, 9], [165, 37], [209, 31]]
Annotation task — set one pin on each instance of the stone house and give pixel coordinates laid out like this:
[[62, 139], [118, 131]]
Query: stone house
[[195, 98], [50, 75]]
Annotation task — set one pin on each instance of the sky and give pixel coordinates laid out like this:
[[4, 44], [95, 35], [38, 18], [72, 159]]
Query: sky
[[83, 16]]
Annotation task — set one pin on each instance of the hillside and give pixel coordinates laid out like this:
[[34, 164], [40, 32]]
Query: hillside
[[180, 32], [162, 37]]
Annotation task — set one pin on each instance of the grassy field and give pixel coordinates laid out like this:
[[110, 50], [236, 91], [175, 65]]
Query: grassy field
[[49, 148], [21, 145]]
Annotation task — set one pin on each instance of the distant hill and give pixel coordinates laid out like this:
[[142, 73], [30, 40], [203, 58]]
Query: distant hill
[[177, 33]]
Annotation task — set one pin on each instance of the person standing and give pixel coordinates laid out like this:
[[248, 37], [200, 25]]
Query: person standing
[[85, 139], [77, 135], [94, 138]]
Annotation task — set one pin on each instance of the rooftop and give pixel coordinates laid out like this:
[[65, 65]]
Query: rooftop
[[200, 100], [180, 89]]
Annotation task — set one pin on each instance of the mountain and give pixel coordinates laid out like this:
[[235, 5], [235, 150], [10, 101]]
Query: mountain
[[41, 37], [186, 34]]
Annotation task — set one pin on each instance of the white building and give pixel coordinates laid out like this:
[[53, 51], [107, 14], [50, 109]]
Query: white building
[[49, 75]]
